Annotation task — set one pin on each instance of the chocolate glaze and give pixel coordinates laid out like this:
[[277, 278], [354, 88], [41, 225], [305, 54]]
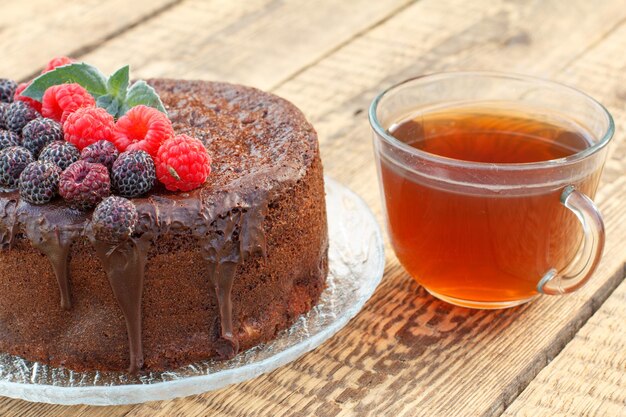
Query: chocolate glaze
[[56, 246], [52, 232], [225, 216], [8, 222], [124, 264], [241, 235]]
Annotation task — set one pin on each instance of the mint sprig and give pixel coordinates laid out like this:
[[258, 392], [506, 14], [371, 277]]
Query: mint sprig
[[86, 75], [115, 94], [116, 88], [141, 93]]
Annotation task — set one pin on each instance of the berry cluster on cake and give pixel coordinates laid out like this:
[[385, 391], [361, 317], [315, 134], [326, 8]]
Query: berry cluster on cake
[[171, 220]]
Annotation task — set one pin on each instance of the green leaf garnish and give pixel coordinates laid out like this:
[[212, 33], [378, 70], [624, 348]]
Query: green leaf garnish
[[86, 75], [141, 93], [110, 103], [117, 84], [114, 94]]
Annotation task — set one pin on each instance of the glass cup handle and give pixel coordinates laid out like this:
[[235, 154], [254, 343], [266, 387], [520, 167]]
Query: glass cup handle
[[578, 272]]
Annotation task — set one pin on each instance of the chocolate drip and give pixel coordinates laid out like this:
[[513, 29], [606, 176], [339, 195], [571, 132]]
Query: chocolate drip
[[124, 264], [8, 222], [234, 237], [54, 239], [222, 276], [252, 238], [55, 244]]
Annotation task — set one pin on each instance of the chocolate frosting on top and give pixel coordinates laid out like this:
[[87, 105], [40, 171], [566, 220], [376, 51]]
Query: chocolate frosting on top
[[260, 145]]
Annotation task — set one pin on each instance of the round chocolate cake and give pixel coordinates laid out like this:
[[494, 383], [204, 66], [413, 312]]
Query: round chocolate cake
[[206, 274]]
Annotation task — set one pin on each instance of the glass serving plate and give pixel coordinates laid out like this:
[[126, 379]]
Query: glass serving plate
[[356, 263]]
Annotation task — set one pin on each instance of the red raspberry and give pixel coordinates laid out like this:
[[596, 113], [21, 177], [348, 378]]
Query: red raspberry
[[19, 97], [57, 62], [143, 128], [59, 101], [102, 152], [84, 184], [182, 163], [88, 125]]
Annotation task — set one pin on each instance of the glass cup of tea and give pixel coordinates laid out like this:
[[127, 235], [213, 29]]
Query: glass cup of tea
[[487, 182]]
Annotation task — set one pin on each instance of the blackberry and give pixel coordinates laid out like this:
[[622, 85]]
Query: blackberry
[[84, 184], [13, 160], [39, 182], [102, 152], [114, 219], [7, 90], [40, 132], [8, 138], [133, 173], [3, 111], [61, 153], [18, 115]]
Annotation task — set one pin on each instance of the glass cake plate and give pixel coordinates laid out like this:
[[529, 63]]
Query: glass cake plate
[[356, 263]]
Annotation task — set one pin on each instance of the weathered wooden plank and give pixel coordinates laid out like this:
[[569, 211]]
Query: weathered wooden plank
[[32, 32], [588, 378], [257, 42], [17, 408]]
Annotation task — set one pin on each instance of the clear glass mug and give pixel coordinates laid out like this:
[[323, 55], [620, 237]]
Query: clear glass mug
[[492, 235]]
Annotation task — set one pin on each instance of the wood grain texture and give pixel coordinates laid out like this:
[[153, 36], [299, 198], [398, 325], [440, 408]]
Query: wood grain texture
[[256, 42], [588, 378], [406, 353], [32, 32]]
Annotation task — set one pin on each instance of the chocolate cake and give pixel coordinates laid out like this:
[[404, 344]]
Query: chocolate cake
[[206, 274]]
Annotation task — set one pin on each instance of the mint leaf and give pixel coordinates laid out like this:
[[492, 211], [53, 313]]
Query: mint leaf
[[110, 103], [141, 93], [117, 85], [86, 75]]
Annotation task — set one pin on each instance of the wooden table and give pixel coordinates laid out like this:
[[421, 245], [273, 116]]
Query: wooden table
[[406, 353]]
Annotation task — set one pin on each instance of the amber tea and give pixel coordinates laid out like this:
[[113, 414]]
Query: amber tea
[[483, 245]]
